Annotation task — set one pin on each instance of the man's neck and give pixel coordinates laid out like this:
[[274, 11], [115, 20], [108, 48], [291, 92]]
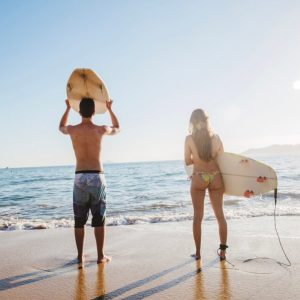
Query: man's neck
[[86, 121]]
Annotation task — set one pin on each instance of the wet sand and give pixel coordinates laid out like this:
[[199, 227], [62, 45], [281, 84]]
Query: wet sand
[[153, 261]]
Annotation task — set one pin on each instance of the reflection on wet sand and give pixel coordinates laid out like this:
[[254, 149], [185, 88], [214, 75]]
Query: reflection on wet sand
[[81, 284], [222, 291], [199, 282], [225, 284], [82, 287], [100, 281], [216, 289]]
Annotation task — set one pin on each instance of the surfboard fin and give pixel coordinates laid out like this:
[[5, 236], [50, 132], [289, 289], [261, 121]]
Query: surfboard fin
[[261, 179], [248, 194], [244, 161]]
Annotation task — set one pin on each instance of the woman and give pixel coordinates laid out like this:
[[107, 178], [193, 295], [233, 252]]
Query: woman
[[202, 147]]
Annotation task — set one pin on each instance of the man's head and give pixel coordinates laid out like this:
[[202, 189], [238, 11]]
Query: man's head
[[87, 107]]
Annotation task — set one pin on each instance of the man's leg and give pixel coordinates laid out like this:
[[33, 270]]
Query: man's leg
[[81, 214], [79, 237], [100, 236], [98, 221]]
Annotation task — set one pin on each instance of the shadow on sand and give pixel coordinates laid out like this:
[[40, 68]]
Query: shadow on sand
[[158, 288], [32, 277], [28, 278]]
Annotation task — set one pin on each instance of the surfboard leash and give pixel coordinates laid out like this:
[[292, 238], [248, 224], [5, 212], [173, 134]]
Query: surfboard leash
[[279, 240], [289, 264], [234, 268]]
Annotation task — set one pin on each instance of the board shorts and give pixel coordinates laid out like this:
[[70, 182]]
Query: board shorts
[[89, 193]]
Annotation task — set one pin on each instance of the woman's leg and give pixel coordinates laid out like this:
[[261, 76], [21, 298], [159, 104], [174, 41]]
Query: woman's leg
[[216, 199], [198, 196]]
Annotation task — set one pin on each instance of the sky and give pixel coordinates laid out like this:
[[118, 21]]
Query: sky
[[160, 60]]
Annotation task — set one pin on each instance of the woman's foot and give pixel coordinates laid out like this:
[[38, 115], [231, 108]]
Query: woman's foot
[[222, 255], [222, 251]]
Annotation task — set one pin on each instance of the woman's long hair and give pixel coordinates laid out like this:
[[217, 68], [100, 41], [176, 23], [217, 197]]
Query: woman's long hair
[[201, 134]]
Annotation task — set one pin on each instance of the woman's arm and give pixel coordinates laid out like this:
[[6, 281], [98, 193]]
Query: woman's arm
[[187, 152], [218, 146]]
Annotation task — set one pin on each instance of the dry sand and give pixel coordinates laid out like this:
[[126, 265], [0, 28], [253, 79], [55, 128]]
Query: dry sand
[[153, 261]]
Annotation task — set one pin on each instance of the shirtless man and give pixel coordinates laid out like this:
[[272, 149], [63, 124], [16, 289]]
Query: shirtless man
[[89, 185]]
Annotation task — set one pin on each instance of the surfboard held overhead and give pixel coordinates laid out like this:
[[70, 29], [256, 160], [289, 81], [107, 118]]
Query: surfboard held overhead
[[85, 83]]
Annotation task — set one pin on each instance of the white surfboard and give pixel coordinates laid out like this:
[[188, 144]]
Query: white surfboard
[[244, 176], [86, 83]]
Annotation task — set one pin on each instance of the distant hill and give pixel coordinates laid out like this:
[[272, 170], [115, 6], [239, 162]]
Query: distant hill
[[275, 149]]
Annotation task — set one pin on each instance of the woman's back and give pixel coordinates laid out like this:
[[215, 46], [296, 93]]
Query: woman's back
[[201, 164]]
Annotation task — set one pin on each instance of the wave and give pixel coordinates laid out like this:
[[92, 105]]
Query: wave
[[10, 200], [39, 179], [10, 223], [24, 224], [150, 207], [283, 195]]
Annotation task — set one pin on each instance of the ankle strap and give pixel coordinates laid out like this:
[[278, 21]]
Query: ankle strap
[[223, 247]]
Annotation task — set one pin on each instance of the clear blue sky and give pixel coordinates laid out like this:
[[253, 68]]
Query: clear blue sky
[[238, 60]]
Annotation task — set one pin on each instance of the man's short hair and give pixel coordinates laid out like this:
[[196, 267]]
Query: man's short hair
[[87, 107]]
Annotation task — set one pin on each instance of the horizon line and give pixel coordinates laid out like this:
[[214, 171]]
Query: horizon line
[[104, 163]]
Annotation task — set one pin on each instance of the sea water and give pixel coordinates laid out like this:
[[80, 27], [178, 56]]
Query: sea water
[[143, 192]]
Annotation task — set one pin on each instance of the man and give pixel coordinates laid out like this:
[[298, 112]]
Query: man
[[89, 185]]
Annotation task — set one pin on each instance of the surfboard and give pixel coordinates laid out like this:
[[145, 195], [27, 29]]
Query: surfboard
[[86, 83], [244, 176]]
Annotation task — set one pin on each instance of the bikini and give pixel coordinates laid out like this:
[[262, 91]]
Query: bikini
[[207, 177]]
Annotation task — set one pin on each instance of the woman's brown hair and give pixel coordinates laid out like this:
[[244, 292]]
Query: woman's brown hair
[[201, 134]]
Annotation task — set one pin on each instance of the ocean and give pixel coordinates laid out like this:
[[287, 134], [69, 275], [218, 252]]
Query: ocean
[[142, 192]]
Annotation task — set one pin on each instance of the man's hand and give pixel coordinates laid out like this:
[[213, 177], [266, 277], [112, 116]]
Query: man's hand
[[63, 122], [68, 103], [115, 128], [109, 104]]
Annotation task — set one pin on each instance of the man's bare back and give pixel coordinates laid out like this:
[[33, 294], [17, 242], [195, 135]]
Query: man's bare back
[[86, 139]]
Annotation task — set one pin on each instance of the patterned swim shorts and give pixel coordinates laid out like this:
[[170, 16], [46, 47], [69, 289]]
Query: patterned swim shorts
[[89, 193]]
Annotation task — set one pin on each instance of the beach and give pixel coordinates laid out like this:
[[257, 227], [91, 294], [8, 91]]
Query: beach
[[147, 95], [153, 261]]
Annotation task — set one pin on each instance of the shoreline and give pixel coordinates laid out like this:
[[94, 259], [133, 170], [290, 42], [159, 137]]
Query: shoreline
[[33, 225], [153, 260]]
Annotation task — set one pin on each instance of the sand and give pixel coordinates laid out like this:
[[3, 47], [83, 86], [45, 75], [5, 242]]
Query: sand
[[153, 261]]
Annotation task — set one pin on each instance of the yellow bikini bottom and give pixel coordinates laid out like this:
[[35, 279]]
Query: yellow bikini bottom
[[207, 177]]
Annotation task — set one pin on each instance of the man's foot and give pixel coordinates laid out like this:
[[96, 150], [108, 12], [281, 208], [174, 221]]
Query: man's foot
[[104, 259], [196, 256], [80, 261]]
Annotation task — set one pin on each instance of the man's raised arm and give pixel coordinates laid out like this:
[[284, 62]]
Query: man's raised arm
[[115, 128], [63, 122]]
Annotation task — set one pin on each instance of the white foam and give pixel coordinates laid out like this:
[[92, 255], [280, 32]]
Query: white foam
[[230, 212]]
